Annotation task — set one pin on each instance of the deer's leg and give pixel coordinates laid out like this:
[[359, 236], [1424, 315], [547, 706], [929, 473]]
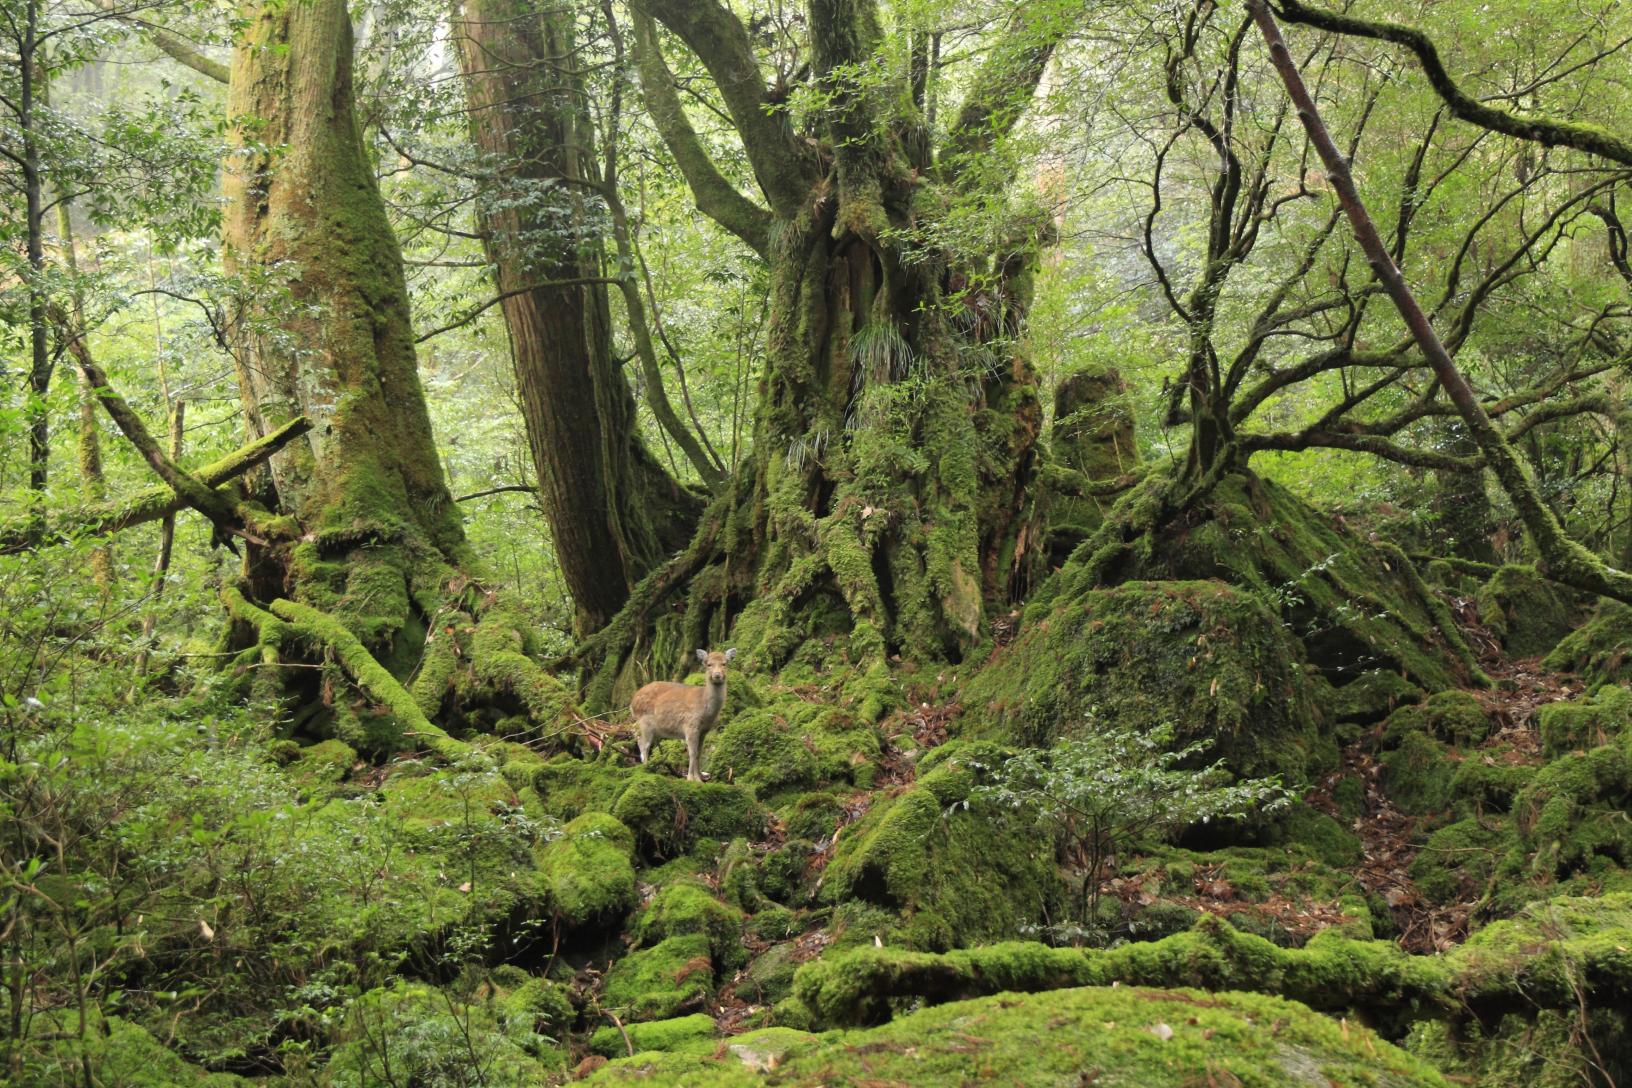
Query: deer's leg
[[694, 747], [643, 738]]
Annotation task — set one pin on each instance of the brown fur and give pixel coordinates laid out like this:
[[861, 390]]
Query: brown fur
[[669, 711]]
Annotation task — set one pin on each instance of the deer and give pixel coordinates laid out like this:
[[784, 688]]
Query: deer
[[669, 711]]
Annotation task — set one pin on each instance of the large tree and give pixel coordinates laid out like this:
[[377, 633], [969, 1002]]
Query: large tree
[[886, 499], [359, 553], [614, 512]]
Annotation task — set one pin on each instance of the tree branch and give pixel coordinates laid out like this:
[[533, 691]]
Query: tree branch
[[1542, 130]]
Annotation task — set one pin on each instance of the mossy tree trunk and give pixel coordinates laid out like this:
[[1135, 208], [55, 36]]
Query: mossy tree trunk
[[896, 436], [359, 557], [614, 512]]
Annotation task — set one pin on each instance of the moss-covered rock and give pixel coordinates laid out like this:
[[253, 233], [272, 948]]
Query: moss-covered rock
[[967, 875], [688, 907], [115, 1050], [1525, 611], [674, 976], [569, 787], [1586, 722], [676, 1034], [1600, 650], [1207, 658], [1111, 1038], [1456, 861], [1417, 775], [1452, 717], [793, 745], [590, 871], [1547, 1048], [322, 766], [669, 816], [1372, 696]]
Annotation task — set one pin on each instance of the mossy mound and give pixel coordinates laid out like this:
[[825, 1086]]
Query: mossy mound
[[674, 976], [954, 875], [1417, 775], [117, 1052], [1353, 604], [1600, 650], [1111, 1038], [651, 1035], [1209, 659], [1587, 722], [794, 745], [1451, 717], [590, 871], [320, 767], [1372, 696], [670, 816], [689, 907], [1550, 1048], [1525, 611]]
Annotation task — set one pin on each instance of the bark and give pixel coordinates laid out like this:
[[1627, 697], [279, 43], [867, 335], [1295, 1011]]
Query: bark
[[887, 491], [614, 512], [360, 558]]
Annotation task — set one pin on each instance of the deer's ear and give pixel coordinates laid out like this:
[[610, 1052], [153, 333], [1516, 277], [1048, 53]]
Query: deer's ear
[[702, 655], [729, 654]]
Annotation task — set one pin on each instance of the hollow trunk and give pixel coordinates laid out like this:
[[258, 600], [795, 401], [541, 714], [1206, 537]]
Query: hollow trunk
[[614, 512]]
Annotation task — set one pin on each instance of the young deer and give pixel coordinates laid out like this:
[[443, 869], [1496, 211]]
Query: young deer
[[666, 711]]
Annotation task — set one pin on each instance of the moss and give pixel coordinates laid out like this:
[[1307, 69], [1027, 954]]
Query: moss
[[1354, 605], [1373, 696], [682, 1032], [1560, 953], [1489, 779], [1322, 836], [1559, 824], [922, 853], [769, 978], [322, 766], [118, 1052], [1332, 972], [1113, 1038], [1455, 863], [1453, 717], [589, 871], [569, 787], [1586, 722], [794, 744], [815, 816], [1545, 1049], [687, 907], [1417, 775], [537, 1006], [674, 976], [774, 923], [1209, 659], [670, 816], [1525, 611], [1600, 651]]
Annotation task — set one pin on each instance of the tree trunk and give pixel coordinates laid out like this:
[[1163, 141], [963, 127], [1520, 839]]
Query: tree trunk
[[361, 555], [894, 445], [614, 512]]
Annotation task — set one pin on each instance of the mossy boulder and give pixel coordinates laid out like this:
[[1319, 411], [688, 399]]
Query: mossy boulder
[[1587, 722], [676, 1034], [590, 871], [1417, 775], [669, 816], [118, 1052], [1570, 822], [1110, 1038], [1455, 862], [690, 907], [964, 875], [1600, 650], [1525, 611], [322, 766], [674, 976], [793, 745], [1452, 717], [568, 787], [1372, 696], [1211, 660], [769, 978]]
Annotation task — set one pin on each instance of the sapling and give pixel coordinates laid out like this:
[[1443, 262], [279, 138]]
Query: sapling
[[1107, 789]]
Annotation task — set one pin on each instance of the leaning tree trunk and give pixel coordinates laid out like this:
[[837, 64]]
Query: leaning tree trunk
[[614, 512], [360, 559], [887, 498]]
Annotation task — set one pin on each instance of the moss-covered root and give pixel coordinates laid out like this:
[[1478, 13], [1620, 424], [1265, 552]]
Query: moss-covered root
[[1111, 1038], [1330, 972], [320, 629]]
